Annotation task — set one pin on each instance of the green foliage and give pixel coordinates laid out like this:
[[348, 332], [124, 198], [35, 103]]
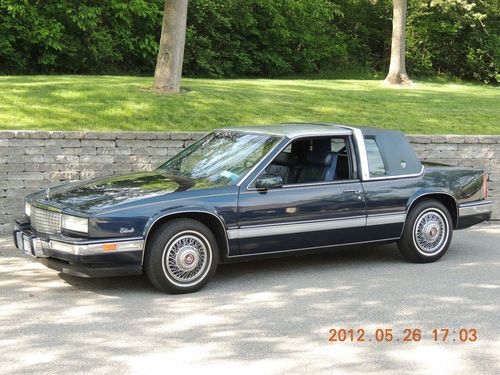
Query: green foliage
[[235, 38], [457, 37], [261, 37], [78, 36]]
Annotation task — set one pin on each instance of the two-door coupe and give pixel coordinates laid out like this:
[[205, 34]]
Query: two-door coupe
[[248, 192]]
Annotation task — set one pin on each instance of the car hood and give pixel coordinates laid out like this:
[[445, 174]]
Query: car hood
[[103, 193]]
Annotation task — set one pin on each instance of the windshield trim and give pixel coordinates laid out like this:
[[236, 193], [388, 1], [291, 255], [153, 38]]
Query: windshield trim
[[278, 144], [279, 139]]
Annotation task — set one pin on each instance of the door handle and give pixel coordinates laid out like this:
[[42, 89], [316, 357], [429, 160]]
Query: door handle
[[352, 191]]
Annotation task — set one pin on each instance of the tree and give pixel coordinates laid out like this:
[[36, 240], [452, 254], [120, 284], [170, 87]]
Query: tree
[[397, 69], [168, 71]]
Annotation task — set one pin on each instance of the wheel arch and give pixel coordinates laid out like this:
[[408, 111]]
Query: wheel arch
[[214, 222], [446, 198]]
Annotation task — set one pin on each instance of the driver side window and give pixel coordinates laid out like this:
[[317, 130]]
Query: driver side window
[[313, 160]]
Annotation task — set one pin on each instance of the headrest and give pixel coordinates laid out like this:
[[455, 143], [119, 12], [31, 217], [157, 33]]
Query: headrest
[[322, 145], [285, 158], [323, 159]]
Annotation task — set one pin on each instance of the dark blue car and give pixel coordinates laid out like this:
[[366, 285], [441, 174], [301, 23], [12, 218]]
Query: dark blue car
[[249, 192]]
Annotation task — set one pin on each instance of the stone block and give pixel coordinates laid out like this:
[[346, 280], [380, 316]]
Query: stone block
[[64, 175], [110, 136], [54, 159], [5, 184], [489, 139], [25, 159], [22, 134], [455, 139], [161, 151], [73, 135], [63, 142], [97, 143], [114, 151], [7, 134], [14, 167], [132, 143], [146, 135], [99, 159], [34, 150], [24, 176], [44, 167], [25, 142], [163, 135], [56, 135], [141, 151], [91, 135], [419, 139], [438, 138], [39, 135]]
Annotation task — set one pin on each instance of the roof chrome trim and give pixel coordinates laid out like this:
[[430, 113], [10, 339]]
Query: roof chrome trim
[[359, 140], [398, 176], [288, 129]]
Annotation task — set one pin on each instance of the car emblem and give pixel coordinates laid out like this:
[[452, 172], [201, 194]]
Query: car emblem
[[403, 164], [47, 193]]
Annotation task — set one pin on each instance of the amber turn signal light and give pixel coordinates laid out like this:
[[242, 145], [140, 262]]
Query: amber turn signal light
[[109, 247]]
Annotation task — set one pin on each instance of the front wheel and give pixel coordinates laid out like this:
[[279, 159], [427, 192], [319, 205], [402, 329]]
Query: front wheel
[[181, 256], [427, 233]]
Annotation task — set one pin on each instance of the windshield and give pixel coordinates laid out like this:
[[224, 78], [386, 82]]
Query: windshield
[[221, 157]]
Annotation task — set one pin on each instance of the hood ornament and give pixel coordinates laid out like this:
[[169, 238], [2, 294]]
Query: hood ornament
[[47, 193]]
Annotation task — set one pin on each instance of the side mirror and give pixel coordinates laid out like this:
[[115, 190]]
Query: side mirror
[[269, 181]]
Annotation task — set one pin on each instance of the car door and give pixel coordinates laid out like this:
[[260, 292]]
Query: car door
[[301, 215]]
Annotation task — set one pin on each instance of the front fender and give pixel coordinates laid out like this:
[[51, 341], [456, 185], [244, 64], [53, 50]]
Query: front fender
[[163, 214]]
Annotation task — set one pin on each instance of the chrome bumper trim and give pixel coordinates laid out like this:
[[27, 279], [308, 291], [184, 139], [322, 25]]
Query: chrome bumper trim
[[94, 248], [475, 208], [32, 245]]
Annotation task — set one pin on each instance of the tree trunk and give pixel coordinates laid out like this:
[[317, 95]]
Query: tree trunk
[[168, 70], [397, 69]]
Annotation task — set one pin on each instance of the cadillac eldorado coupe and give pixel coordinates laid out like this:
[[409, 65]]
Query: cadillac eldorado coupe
[[249, 192]]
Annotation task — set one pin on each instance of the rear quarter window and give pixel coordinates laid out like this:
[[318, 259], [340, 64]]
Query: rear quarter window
[[375, 162]]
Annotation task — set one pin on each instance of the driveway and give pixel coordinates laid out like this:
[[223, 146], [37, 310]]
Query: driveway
[[261, 317]]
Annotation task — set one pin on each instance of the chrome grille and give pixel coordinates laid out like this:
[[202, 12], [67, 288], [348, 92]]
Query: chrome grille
[[45, 221]]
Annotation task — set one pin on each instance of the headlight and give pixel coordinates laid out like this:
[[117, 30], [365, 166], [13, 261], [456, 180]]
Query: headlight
[[75, 223], [27, 209]]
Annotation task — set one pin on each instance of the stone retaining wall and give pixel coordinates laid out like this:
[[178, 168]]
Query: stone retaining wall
[[30, 160]]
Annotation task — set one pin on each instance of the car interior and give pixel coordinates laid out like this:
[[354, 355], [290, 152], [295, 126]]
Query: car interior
[[313, 160]]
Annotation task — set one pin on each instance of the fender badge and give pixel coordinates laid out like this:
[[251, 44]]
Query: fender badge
[[126, 230]]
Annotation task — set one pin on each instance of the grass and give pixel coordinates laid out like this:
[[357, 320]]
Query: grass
[[111, 103]]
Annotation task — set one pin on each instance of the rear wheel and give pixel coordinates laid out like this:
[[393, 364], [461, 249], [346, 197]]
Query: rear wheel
[[427, 233], [181, 256]]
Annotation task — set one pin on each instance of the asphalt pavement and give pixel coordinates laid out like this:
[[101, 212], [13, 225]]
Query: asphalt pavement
[[263, 317]]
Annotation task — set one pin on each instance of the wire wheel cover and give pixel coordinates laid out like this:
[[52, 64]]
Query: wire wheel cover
[[430, 231], [186, 258]]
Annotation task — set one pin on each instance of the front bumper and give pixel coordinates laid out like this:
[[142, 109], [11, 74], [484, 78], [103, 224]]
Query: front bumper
[[472, 213], [84, 258]]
